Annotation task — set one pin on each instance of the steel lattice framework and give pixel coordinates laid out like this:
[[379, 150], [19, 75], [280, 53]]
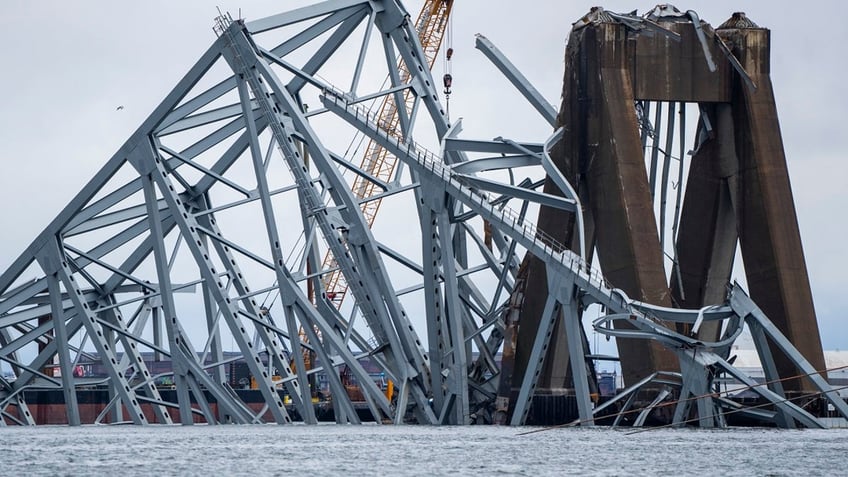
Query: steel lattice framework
[[211, 205]]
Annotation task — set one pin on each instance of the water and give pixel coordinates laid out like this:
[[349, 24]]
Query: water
[[415, 450]]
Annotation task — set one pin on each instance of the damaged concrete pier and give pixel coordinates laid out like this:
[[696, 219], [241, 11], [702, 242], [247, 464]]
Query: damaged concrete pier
[[620, 72]]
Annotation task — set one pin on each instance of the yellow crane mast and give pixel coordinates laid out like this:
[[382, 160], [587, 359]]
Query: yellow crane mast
[[432, 26]]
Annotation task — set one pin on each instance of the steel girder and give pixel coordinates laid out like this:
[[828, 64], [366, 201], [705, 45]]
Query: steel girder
[[155, 207], [232, 187], [572, 281], [701, 361]]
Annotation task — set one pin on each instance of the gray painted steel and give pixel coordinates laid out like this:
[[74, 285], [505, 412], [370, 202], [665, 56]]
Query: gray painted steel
[[228, 194]]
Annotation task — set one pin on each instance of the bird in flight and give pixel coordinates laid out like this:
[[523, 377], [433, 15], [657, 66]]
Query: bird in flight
[[119, 108]]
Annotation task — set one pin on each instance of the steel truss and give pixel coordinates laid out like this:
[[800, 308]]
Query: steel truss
[[702, 362], [231, 191]]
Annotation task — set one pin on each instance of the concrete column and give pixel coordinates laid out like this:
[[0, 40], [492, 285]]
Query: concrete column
[[768, 226]]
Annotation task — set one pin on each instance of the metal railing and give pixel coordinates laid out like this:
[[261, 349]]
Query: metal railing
[[537, 241]]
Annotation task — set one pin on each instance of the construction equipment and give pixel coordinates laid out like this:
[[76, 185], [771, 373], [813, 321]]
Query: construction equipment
[[432, 27]]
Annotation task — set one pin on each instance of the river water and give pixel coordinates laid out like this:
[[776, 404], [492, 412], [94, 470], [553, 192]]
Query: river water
[[416, 450]]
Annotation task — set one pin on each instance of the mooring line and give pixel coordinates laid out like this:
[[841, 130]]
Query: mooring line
[[693, 398]]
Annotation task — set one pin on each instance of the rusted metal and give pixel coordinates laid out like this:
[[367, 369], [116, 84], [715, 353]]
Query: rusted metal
[[737, 188], [766, 219]]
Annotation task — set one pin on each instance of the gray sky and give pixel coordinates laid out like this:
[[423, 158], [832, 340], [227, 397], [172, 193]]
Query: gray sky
[[69, 65]]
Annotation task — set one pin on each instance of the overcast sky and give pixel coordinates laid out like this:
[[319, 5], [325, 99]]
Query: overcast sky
[[69, 65]]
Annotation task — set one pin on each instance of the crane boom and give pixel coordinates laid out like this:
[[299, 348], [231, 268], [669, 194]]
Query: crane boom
[[431, 26]]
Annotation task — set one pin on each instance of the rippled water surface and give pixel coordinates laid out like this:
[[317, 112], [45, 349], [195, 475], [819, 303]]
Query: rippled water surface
[[416, 450]]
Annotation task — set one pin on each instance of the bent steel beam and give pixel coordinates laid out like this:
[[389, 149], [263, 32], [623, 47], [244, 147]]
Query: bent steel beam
[[232, 187]]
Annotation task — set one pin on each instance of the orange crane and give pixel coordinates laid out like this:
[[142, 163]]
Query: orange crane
[[432, 26]]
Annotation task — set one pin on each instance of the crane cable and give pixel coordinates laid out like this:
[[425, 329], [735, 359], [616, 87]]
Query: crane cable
[[446, 65]]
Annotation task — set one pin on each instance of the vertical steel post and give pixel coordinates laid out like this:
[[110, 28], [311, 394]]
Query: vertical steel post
[[61, 336]]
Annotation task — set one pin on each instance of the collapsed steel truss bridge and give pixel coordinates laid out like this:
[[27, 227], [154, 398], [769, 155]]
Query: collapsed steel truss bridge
[[232, 191]]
